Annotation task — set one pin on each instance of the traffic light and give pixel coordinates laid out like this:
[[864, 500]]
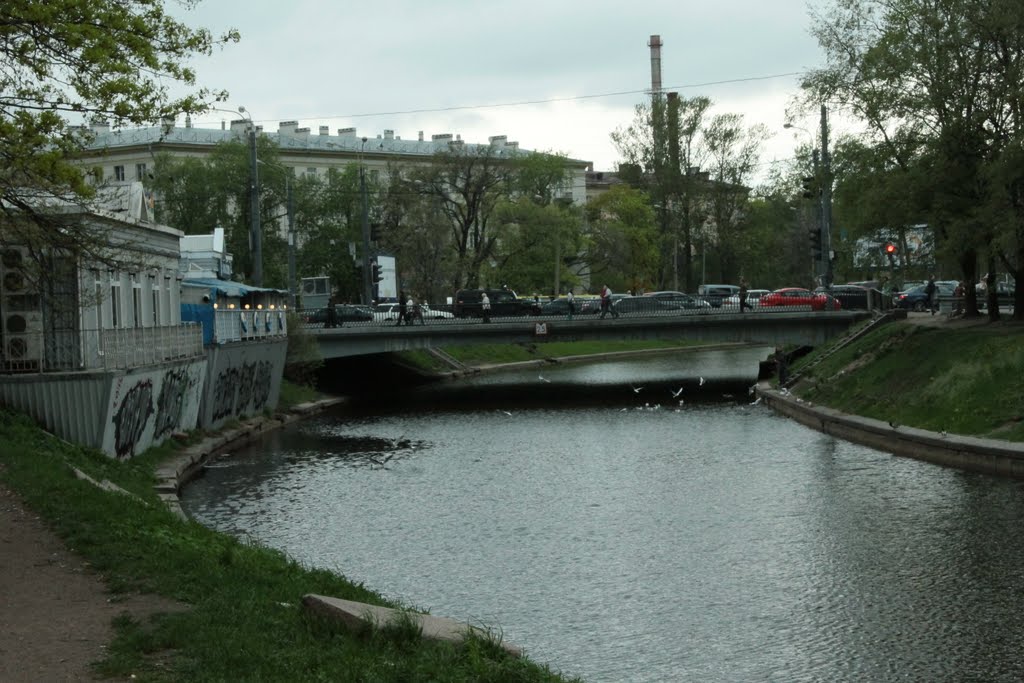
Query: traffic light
[[374, 232], [808, 184], [890, 249], [815, 235], [375, 274]]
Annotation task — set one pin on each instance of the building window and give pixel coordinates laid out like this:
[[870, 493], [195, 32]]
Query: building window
[[154, 285], [311, 171], [115, 299], [374, 176], [136, 301], [140, 171], [119, 173]]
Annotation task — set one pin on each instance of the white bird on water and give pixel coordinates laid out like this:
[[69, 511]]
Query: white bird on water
[[675, 394], [636, 390], [701, 381], [542, 378]]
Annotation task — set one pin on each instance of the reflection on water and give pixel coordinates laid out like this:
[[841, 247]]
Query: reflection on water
[[621, 536]]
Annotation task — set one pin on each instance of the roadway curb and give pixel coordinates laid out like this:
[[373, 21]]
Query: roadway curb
[[987, 456]]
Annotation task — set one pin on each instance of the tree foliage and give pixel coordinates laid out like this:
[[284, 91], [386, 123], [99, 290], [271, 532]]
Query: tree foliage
[[936, 84], [67, 62]]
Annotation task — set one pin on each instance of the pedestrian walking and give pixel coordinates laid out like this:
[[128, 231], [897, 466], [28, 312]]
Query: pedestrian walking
[[485, 307], [932, 294], [572, 303], [606, 303], [415, 312], [332, 312], [743, 294], [401, 308]]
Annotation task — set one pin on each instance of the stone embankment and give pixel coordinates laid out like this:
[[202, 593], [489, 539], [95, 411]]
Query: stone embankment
[[989, 456]]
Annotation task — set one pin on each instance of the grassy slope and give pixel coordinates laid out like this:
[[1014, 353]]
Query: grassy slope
[[244, 621], [963, 381]]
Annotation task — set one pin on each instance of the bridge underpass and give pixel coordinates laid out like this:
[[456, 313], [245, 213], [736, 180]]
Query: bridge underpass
[[777, 328]]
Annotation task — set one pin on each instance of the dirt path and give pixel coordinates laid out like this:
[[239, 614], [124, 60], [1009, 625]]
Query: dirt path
[[55, 614]]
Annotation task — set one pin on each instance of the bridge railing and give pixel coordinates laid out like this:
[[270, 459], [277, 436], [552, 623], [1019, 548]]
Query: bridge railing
[[356, 316]]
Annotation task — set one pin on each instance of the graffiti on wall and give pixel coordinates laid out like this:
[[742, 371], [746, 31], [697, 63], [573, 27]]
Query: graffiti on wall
[[243, 389], [131, 417], [147, 408], [172, 402]]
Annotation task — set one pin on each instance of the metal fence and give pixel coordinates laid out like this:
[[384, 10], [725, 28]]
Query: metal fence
[[239, 325], [99, 349]]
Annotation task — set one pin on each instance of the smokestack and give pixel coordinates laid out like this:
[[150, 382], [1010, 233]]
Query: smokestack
[[655, 45]]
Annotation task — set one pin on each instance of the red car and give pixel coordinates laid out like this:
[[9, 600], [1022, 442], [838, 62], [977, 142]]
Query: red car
[[795, 296]]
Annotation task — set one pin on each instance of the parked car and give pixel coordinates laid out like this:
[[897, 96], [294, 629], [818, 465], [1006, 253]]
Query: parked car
[[852, 297], [504, 302], [797, 296], [1004, 292], [643, 305], [753, 296], [560, 306], [679, 300], [344, 313], [716, 294], [916, 298]]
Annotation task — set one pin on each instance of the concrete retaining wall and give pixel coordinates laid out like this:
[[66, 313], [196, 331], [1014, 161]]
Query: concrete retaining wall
[[989, 456]]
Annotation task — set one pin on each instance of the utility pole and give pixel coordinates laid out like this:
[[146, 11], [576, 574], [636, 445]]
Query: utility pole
[[256, 238], [367, 281], [826, 199]]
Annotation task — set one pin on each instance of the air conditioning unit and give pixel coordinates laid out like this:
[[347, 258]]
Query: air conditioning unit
[[21, 319], [22, 340]]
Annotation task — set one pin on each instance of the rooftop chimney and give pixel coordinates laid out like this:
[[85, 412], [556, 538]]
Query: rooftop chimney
[[287, 127], [347, 132], [325, 130], [421, 136]]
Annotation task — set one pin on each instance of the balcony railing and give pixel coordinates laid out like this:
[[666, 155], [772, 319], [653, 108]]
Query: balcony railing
[[99, 349]]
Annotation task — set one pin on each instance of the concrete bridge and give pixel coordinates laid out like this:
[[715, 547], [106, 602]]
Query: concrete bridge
[[772, 328]]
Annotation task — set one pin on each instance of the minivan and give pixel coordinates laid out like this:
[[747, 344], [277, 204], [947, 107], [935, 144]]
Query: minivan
[[715, 294]]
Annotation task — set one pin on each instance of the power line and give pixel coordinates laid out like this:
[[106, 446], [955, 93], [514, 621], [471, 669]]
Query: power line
[[553, 99]]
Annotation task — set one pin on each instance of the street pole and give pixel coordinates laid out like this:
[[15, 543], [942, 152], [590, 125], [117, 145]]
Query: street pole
[[367, 281], [291, 243], [254, 195], [826, 199]]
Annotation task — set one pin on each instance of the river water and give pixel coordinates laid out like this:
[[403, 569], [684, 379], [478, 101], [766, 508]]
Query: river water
[[617, 534]]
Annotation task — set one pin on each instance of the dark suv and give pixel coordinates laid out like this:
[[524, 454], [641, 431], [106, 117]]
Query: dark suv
[[504, 302]]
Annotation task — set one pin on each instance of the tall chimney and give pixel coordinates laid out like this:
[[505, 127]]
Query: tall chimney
[[655, 45]]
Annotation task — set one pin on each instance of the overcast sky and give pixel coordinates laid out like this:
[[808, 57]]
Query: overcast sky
[[445, 66]]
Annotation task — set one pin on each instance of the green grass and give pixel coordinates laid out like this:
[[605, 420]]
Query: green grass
[[964, 381], [243, 620]]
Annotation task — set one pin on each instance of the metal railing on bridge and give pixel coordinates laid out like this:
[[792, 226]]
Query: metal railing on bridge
[[586, 309]]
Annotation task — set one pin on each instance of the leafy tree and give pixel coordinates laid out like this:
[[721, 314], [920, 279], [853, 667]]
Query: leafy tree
[[467, 184], [541, 242], [112, 60], [937, 86], [734, 155], [622, 240]]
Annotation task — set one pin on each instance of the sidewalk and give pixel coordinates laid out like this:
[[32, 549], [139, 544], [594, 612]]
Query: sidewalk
[[55, 613]]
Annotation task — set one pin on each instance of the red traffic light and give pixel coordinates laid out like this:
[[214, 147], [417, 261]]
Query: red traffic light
[[890, 248]]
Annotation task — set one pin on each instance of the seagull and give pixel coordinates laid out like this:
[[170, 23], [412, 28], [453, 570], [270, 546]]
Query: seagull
[[680, 401], [756, 401], [675, 394], [893, 425], [636, 390], [702, 381], [542, 378], [943, 433], [507, 413], [750, 391]]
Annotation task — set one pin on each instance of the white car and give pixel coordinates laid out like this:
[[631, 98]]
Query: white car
[[388, 313], [753, 296]]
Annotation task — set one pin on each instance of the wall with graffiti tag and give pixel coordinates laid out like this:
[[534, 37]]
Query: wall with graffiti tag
[[146, 407], [242, 379]]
